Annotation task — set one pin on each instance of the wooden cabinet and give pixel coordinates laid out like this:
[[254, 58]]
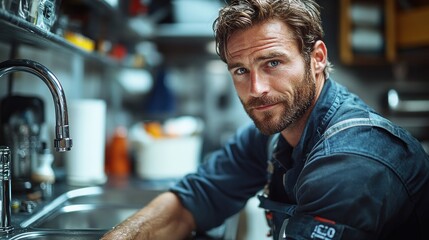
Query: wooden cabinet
[[403, 33], [411, 28]]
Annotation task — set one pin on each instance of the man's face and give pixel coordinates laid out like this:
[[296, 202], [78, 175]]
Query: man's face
[[273, 82]]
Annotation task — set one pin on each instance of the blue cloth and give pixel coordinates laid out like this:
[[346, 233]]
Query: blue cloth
[[372, 178]]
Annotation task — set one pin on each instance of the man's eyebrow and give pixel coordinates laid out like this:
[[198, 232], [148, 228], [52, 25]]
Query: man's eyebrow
[[234, 65], [261, 59], [271, 56]]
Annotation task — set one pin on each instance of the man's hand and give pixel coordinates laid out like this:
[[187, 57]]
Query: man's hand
[[163, 218]]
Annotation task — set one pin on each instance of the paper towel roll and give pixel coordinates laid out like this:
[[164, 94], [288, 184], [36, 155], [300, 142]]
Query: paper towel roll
[[85, 162]]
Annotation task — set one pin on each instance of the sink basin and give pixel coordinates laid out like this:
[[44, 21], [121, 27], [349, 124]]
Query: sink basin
[[57, 235], [86, 216], [87, 213], [92, 208]]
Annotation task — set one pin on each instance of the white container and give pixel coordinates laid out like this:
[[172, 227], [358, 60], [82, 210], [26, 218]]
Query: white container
[[85, 161], [167, 157]]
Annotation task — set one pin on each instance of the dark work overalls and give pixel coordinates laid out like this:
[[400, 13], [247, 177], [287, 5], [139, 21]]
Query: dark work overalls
[[281, 217]]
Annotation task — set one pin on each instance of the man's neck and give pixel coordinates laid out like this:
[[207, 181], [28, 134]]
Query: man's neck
[[293, 133]]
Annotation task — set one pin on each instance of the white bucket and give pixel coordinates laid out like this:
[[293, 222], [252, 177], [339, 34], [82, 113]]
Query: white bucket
[[167, 157]]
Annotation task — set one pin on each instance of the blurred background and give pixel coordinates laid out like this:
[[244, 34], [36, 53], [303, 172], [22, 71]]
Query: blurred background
[[153, 64], [153, 60]]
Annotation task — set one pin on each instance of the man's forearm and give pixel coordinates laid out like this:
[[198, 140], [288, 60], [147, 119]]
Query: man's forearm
[[163, 218]]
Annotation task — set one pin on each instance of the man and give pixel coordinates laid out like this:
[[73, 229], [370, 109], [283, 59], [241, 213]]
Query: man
[[338, 169]]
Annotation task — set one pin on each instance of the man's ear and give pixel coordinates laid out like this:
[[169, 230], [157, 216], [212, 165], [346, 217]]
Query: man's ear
[[320, 56]]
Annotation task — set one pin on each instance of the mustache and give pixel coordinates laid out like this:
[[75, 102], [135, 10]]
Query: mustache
[[264, 100]]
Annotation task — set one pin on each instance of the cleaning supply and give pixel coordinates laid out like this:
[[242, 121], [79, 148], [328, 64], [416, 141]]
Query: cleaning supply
[[43, 174], [117, 159]]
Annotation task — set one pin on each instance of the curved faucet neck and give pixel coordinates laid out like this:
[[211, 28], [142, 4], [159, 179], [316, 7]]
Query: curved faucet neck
[[62, 142]]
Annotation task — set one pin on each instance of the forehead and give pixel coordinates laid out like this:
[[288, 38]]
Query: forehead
[[263, 36]]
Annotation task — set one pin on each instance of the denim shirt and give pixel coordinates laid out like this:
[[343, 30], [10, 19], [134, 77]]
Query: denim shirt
[[353, 173]]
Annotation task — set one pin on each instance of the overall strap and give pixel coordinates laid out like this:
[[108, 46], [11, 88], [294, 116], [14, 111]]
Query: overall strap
[[271, 145], [264, 201], [354, 122]]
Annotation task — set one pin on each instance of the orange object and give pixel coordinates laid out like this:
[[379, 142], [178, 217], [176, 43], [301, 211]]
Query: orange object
[[154, 129], [117, 159]]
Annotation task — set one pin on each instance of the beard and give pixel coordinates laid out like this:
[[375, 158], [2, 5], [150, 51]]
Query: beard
[[292, 108]]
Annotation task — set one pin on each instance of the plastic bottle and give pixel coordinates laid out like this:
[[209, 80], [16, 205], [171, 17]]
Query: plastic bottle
[[117, 160], [43, 171], [43, 174]]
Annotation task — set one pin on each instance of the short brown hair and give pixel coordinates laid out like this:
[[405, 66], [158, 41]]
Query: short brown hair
[[302, 16]]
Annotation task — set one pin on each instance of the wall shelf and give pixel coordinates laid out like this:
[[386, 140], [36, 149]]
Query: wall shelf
[[15, 30]]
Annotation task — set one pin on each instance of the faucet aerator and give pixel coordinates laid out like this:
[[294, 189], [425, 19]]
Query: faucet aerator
[[62, 145]]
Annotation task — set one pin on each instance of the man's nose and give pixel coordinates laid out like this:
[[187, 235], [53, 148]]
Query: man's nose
[[258, 84]]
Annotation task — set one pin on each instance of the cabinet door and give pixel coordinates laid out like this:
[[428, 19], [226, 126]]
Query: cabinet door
[[367, 32]]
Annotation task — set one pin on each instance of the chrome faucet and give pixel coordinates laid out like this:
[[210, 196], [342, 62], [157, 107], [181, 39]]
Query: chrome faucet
[[62, 142], [5, 190]]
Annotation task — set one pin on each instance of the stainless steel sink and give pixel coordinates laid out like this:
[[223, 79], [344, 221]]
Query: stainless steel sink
[[92, 208], [85, 216], [59, 235], [87, 213]]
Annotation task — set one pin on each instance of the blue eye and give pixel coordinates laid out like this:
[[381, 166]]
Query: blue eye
[[274, 63], [240, 71]]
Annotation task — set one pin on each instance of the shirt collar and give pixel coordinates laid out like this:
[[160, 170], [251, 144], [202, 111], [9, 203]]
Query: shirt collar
[[326, 105]]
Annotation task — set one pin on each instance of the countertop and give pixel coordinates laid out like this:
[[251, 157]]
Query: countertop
[[60, 187]]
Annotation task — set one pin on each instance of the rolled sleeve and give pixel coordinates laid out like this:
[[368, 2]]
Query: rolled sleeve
[[226, 180]]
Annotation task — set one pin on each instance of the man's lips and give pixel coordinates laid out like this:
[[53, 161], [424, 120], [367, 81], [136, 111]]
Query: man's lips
[[264, 107]]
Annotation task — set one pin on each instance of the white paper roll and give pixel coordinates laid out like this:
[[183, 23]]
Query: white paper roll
[[85, 161]]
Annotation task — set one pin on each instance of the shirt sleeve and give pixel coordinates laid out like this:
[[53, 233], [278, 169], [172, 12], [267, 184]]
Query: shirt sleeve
[[352, 190], [226, 179]]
